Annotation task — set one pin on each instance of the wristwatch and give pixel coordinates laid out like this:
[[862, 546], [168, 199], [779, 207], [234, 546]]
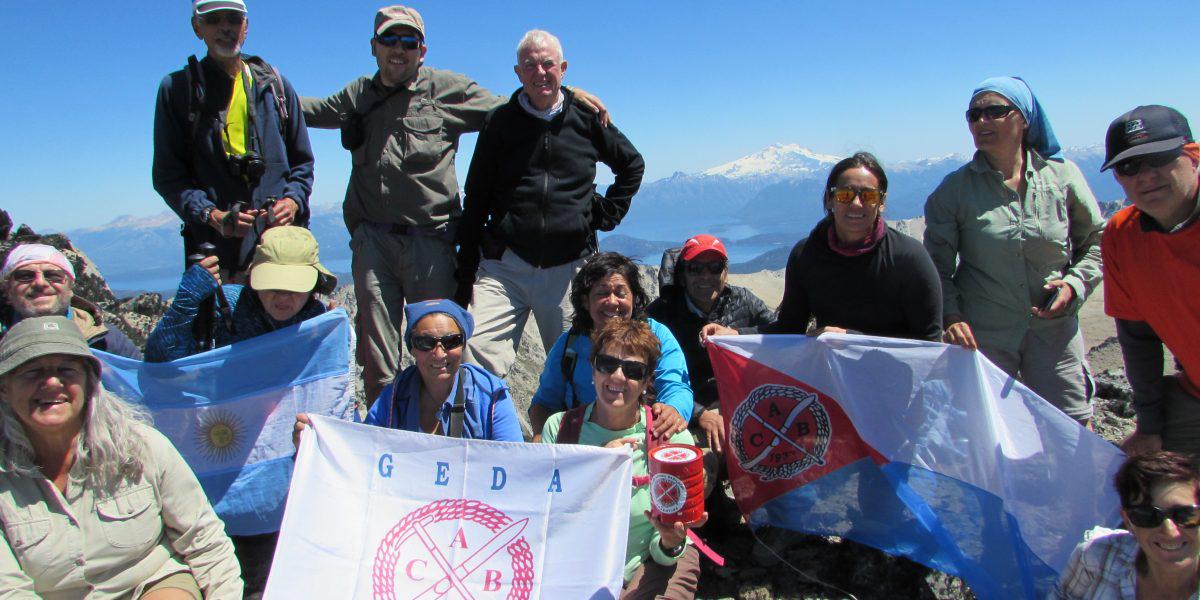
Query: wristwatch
[[675, 552], [206, 215]]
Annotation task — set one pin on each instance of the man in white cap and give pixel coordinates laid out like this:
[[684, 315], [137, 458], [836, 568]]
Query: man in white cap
[[402, 126], [39, 281], [231, 152]]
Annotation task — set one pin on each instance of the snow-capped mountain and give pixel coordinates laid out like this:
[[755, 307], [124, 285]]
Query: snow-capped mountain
[[776, 162], [776, 191]]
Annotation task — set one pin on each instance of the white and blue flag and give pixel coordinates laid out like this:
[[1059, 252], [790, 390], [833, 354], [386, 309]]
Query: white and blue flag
[[230, 411]]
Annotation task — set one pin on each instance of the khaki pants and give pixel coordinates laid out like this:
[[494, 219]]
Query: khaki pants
[[1051, 362], [506, 292], [390, 269], [676, 582]]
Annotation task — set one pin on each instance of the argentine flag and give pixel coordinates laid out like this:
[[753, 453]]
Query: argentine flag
[[920, 449], [230, 411]]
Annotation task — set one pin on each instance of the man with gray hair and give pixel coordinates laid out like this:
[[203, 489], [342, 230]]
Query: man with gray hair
[[39, 281], [531, 210], [402, 127]]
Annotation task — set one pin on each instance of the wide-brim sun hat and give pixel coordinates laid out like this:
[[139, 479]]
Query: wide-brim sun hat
[[36, 337], [286, 259]]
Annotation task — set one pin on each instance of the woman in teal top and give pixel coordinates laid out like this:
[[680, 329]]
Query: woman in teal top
[[658, 561]]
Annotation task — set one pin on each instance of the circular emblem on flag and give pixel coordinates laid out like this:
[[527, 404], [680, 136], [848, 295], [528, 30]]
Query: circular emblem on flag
[[455, 549], [667, 493], [219, 435], [779, 431]]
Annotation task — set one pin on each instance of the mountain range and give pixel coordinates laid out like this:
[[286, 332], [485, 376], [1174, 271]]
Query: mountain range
[[758, 204]]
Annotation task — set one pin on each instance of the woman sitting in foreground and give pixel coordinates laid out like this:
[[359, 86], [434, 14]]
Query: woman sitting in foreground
[[1159, 554], [95, 503], [658, 561], [422, 396]]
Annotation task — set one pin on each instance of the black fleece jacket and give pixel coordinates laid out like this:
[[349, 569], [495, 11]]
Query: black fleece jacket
[[891, 291], [530, 186]]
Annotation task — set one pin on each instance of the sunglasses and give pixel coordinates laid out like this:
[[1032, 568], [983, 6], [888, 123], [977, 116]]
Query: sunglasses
[[871, 197], [232, 17], [28, 276], [426, 343], [633, 369], [713, 267], [996, 111], [1148, 517], [408, 42], [1133, 166]]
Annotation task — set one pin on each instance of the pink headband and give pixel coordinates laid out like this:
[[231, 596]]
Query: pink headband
[[27, 254]]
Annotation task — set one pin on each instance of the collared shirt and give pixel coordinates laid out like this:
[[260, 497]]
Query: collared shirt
[[545, 115], [995, 250], [403, 173], [84, 544], [1102, 567]]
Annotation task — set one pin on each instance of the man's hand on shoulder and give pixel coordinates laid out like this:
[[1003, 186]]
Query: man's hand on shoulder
[[593, 104]]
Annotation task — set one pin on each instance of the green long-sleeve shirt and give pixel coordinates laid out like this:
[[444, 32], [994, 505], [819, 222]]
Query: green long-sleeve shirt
[[995, 250], [404, 172]]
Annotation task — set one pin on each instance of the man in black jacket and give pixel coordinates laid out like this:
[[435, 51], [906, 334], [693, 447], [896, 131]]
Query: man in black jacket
[[531, 209], [697, 296]]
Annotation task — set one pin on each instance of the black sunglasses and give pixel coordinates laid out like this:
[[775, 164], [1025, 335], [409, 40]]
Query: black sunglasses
[[1133, 166], [28, 276], [631, 368], [696, 267], [1147, 516], [996, 111], [408, 42], [232, 17], [426, 343]]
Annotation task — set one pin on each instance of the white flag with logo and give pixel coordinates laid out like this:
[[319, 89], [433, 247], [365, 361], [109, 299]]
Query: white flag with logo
[[380, 513]]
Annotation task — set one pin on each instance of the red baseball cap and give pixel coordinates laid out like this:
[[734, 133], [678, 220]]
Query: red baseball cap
[[702, 244]]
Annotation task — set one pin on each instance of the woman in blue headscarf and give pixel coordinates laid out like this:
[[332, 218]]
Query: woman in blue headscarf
[[1015, 237], [423, 396]]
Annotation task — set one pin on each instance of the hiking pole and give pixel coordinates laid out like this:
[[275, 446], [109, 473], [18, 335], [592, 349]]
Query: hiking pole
[[222, 302]]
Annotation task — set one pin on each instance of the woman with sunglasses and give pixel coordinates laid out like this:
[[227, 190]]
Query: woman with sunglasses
[[658, 561], [1015, 237], [422, 397], [609, 286], [1157, 554], [853, 273]]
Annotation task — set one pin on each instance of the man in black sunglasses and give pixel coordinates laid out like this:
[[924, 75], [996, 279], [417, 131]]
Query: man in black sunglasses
[[698, 294], [231, 153], [1151, 253]]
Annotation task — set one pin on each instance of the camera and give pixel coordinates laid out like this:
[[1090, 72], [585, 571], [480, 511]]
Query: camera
[[249, 166], [353, 130]]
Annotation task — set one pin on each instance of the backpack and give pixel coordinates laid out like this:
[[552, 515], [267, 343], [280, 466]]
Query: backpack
[[260, 70], [666, 269]]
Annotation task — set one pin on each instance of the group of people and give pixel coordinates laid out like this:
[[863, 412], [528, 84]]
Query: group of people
[[96, 503]]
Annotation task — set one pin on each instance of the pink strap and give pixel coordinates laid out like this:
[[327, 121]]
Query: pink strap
[[705, 549]]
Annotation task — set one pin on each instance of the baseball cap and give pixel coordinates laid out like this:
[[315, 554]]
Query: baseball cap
[[702, 244], [36, 337], [1145, 130], [286, 259], [27, 254], [200, 7], [391, 16]]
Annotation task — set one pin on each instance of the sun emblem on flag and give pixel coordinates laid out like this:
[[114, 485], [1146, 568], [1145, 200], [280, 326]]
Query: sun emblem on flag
[[780, 431], [220, 434]]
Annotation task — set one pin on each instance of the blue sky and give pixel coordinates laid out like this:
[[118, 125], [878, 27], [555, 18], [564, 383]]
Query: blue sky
[[693, 84]]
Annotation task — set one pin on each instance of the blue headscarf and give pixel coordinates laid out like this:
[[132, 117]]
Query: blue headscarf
[[1039, 136], [415, 311]]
